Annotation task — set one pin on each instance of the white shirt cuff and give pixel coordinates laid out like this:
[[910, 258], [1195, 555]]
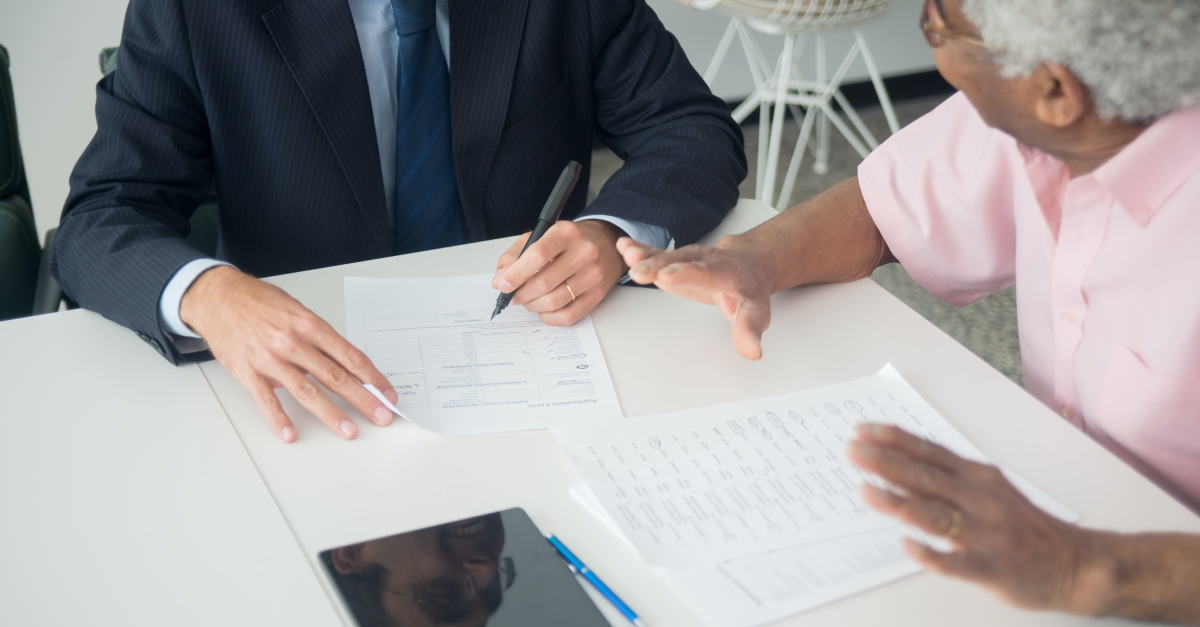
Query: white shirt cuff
[[639, 232], [172, 296]]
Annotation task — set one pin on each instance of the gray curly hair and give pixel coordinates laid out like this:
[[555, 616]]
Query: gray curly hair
[[1140, 59]]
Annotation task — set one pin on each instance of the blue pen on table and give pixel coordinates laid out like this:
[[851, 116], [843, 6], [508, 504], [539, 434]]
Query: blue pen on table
[[580, 568]]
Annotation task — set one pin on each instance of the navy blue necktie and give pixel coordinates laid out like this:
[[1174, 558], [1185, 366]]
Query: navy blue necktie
[[428, 210]]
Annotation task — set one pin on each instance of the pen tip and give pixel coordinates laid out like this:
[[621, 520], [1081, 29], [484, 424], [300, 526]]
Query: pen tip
[[494, 314]]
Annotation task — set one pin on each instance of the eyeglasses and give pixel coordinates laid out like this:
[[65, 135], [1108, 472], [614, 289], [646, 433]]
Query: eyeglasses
[[454, 590], [448, 591], [933, 25]]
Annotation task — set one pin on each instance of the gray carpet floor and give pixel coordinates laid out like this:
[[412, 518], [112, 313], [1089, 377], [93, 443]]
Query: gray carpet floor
[[988, 327]]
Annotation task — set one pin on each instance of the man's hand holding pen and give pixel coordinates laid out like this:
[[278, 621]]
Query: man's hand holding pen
[[564, 274], [560, 270]]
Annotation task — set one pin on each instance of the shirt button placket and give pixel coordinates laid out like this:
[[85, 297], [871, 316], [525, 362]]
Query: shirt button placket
[[1084, 219]]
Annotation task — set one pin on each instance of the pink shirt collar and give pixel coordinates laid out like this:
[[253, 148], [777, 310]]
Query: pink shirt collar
[[1154, 166]]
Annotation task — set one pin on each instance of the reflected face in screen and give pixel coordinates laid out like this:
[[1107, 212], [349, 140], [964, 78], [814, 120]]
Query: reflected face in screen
[[444, 575]]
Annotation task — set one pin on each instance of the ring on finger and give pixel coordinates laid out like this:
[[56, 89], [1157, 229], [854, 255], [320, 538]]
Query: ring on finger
[[570, 291], [956, 520]]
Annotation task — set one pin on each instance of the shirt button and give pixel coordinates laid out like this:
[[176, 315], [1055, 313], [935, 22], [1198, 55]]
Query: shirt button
[[1068, 318], [1067, 412]]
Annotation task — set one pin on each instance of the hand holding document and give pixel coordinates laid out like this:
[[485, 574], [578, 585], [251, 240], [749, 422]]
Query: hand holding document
[[458, 372], [696, 487]]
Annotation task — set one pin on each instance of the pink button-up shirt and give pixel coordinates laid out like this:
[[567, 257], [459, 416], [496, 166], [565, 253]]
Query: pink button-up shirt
[[1107, 268]]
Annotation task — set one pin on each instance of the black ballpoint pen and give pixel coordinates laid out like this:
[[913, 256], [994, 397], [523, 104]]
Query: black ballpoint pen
[[550, 212]]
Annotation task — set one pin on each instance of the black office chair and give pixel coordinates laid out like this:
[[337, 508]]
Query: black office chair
[[23, 263]]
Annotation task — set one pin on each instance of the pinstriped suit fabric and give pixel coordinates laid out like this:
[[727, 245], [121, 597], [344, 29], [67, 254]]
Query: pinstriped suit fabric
[[270, 97]]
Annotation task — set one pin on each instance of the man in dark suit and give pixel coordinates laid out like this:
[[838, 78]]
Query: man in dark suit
[[344, 130]]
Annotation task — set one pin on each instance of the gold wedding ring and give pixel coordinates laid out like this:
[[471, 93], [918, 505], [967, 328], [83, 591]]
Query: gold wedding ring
[[570, 291], [955, 524]]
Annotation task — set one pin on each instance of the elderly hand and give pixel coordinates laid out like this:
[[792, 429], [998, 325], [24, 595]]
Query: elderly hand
[[729, 276], [999, 539], [268, 340], [564, 274]]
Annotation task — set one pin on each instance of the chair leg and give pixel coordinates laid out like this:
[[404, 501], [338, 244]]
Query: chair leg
[[722, 49], [836, 119], [763, 67], [747, 107], [817, 98], [781, 93], [821, 163], [798, 78], [877, 80], [764, 130], [789, 179], [753, 53], [866, 133], [819, 116]]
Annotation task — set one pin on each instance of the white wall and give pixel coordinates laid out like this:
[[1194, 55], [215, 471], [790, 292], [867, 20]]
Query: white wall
[[54, 46]]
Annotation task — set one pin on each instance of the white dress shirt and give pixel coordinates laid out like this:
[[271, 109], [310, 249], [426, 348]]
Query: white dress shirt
[[379, 41]]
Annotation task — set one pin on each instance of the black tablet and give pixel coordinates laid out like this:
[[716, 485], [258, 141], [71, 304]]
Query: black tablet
[[496, 570]]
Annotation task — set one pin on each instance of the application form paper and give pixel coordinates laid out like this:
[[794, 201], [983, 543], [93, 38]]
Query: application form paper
[[457, 372], [700, 487]]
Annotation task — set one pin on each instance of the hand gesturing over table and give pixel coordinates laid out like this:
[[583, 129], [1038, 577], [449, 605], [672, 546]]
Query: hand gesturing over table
[[729, 276], [828, 239], [268, 340]]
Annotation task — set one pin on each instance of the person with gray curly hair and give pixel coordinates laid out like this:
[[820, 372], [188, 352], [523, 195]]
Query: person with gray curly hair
[[1139, 60], [1068, 165]]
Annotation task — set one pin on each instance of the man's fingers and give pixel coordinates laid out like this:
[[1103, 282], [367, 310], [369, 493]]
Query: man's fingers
[[915, 447], [556, 240], [575, 262], [264, 395], [315, 401], [509, 257], [356, 362], [585, 280], [929, 515], [905, 472], [339, 381], [575, 310]]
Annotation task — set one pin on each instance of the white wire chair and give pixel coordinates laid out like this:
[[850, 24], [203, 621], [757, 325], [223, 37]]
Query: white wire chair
[[796, 21]]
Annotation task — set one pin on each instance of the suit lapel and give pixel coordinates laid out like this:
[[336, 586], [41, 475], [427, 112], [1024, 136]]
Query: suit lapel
[[485, 38], [320, 46]]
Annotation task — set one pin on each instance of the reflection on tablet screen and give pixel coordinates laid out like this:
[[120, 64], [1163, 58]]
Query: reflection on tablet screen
[[461, 573]]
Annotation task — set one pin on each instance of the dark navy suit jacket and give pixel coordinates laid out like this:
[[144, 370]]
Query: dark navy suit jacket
[[270, 97]]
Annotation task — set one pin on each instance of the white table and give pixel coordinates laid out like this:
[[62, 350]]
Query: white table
[[667, 354], [125, 495]]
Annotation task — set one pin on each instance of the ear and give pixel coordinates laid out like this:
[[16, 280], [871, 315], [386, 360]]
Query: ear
[[1061, 98], [348, 559]]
